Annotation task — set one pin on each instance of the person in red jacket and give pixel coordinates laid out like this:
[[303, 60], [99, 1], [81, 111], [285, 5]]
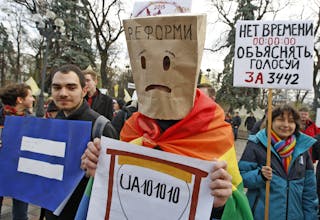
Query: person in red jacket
[[309, 127]]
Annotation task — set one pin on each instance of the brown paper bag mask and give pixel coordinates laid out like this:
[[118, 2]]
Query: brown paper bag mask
[[165, 54]]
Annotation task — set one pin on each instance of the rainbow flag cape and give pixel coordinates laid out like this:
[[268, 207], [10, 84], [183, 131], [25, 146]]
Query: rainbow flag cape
[[202, 134], [84, 204]]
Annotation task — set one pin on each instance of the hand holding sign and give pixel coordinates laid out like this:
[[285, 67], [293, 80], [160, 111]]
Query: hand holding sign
[[221, 186], [138, 178], [89, 159]]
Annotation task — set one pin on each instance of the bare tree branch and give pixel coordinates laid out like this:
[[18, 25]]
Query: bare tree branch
[[263, 9], [218, 49], [104, 17], [32, 5]]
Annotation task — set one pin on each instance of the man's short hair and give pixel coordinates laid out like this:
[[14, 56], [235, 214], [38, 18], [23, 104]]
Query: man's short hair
[[71, 67], [303, 109], [90, 72]]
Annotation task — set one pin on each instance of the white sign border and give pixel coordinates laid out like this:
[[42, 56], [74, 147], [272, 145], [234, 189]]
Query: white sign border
[[98, 199]]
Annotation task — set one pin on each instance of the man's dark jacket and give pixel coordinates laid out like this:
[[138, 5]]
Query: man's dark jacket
[[102, 104], [236, 121], [84, 113], [122, 115], [249, 123]]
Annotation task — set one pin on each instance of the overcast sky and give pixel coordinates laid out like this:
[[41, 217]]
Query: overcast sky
[[298, 9]]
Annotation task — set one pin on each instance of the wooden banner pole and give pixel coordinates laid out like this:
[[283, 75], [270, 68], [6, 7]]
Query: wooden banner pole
[[268, 162]]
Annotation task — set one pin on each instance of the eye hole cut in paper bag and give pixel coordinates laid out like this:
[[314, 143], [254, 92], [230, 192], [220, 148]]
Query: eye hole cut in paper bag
[[165, 54]]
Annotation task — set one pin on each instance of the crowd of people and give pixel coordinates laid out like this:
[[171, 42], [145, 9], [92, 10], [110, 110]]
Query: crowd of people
[[293, 149], [185, 121]]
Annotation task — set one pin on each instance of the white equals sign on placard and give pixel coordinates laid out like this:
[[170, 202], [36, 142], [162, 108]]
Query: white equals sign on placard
[[40, 168]]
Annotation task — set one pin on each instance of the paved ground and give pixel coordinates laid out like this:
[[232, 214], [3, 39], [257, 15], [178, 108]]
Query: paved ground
[[34, 211], [240, 145]]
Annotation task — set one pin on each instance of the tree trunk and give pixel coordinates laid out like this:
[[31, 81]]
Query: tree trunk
[[18, 76], [2, 70], [103, 69]]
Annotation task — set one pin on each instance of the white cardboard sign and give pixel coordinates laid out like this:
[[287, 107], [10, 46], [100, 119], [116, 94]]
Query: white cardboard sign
[[274, 54], [135, 182], [145, 8]]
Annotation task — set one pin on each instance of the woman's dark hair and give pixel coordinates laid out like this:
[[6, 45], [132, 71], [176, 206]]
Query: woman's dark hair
[[70, 67], [280, 110], [10, 93], [121, 103]]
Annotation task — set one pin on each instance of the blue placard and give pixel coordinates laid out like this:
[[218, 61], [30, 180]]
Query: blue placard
[[40, 159]]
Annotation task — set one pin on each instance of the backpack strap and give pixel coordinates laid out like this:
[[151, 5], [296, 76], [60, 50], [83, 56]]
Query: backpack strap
[[125, 116], [98, 126]]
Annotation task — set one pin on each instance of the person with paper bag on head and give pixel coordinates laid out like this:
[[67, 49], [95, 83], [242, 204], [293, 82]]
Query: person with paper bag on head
[[173, 116]]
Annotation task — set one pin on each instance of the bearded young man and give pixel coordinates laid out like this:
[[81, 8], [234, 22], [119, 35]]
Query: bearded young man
[[68, 88]]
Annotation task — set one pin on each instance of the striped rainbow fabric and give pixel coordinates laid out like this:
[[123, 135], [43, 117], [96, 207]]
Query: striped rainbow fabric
[[84, 204], [284, 148], [202, 134]]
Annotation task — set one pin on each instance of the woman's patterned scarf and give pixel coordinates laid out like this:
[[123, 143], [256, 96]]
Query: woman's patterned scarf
[[10, 110], [284, 148]]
